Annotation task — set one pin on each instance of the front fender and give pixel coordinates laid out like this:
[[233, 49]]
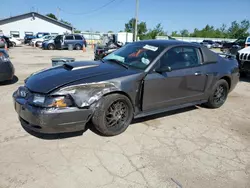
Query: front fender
[[86, 94]]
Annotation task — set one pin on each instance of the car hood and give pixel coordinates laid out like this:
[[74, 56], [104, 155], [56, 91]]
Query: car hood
[[245, 50], [50, 79]]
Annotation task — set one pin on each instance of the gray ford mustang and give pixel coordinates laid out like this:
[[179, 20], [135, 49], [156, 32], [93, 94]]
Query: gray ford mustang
[[139, 79]]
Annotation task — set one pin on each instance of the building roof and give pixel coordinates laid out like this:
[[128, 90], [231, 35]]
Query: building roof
[[35, 14]]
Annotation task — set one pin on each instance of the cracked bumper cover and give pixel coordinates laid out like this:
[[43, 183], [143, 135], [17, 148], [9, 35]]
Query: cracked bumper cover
[[51, 120]]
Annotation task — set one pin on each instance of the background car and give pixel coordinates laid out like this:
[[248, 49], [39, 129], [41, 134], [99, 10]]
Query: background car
[[28, 38], [63, 41], [41, 34], [206, 45], [136, 80], [2, 42], [15, 41], [210, 42], [217, 45], [38, 41], [7, 41], [234, 47], [6, 68], [243, 57]]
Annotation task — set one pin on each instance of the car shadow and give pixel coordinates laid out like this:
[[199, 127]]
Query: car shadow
[[163, 114], [148, 118], [90, 126], [10, 82], [245, 79]]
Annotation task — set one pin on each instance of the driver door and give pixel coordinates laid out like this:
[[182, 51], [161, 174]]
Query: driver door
[[58, 42], [185, 83]]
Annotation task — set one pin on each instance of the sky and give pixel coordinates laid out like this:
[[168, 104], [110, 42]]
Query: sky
[[172, 14]]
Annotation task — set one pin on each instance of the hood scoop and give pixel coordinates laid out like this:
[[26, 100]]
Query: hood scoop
[[71, 66]]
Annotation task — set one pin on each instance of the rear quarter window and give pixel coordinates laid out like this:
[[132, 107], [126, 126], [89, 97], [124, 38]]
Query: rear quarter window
[[248, 40], [209, 56]]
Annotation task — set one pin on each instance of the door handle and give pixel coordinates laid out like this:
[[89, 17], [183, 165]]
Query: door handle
[[197, 73]]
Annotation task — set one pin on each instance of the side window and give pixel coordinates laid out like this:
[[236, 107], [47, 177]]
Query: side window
[[69, 37], [78, 37], [180, 57]]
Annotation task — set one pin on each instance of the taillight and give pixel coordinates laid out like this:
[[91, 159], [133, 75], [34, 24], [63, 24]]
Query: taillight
[[246, 45]]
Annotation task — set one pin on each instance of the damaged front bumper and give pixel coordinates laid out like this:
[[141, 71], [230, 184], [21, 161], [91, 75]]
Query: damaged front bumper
[[46, 120]]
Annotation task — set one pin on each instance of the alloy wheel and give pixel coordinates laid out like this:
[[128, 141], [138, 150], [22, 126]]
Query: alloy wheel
[[117, 114], [220, 94]]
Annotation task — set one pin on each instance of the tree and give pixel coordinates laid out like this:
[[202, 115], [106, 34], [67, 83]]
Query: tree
[[97, 32], [238, 30], [175, 34], [184, 33], [157, 31], [110, 32], [65, 22], [51, 16], [77, 31], [141, 27]]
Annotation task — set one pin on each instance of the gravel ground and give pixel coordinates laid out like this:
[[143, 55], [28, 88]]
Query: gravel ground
[[193, 147]]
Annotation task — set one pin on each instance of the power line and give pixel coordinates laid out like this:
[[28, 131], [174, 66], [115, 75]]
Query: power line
[[82, 13]]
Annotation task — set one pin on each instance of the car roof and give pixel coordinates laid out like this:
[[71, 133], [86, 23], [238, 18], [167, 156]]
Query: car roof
[[166, 43]]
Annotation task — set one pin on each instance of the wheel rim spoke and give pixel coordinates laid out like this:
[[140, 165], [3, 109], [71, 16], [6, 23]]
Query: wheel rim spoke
[[117, 114], [219, 94]]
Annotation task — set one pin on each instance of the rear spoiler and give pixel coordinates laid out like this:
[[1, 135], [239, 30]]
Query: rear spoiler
[[229, 56]]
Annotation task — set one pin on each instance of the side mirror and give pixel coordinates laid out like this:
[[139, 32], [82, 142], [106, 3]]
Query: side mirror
[[163, 69]]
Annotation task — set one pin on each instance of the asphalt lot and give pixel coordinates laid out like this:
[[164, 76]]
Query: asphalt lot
[[195, 147]]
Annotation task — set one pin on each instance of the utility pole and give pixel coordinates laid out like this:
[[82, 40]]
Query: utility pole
[[58, 13], [136, 19]]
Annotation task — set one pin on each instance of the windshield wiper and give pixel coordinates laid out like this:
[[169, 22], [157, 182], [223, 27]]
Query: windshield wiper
[[118, 62]]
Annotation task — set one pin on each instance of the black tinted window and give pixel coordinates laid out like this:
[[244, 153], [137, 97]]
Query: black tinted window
[[69, 37], [78, 37], [180, 57]]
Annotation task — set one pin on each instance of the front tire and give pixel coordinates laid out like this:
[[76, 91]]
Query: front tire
[[51, 47], [113, 115], [219, 94]]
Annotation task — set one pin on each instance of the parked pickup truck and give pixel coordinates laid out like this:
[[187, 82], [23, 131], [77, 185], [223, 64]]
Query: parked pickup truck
[[234, 47], [243, 57]]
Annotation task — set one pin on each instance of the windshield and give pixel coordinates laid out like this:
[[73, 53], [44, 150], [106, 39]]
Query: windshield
[[137, 55]]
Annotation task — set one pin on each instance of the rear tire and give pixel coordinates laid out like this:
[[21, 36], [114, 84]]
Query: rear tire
[[113, 115], [78, 47], [51, 47], [13, 44], [218, 95]]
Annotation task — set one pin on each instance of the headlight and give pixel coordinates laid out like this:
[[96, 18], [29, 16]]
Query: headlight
[[49, 102]]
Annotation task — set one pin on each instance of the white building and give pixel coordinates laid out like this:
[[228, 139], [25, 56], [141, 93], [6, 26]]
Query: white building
[[32, 23]]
